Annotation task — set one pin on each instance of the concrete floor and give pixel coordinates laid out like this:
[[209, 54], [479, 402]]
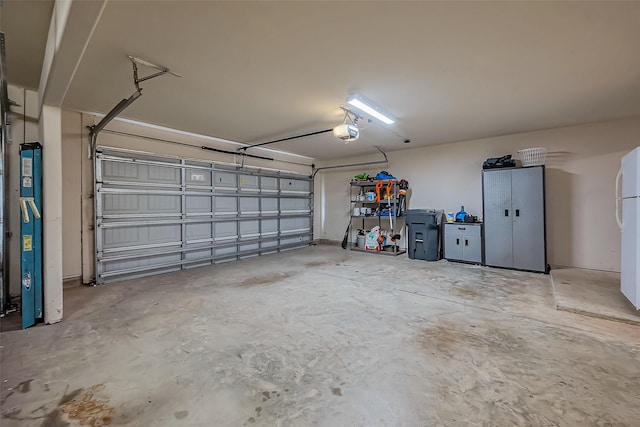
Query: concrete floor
[[592, 293], [323, 337]]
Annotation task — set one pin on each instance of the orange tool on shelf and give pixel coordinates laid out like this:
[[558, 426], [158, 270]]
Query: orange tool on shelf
[[389, 194], [378, 188]]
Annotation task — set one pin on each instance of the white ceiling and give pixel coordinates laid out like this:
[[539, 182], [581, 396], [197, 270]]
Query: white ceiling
[[25, 25], [446, 71]]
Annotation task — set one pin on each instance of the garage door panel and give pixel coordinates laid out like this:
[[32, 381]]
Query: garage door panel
[[269, 226], [140, 235], [249, 229], [295, 205], [161, 175], [249, 247], [121, 203], [273, 244], [136, 263], [290, 241], [136, 275], [198, 231], [142, 251], [269, 205], [287, 184], [249, 182], [115, 204], [127, 172], [226, 204], [249, 205], [156, 214], [198, 244], [198, 176], [162, 204], [225, 180], [195, 255], [269, 183], [288, 224], [117, 171], [226, 251], [198, 204], [225, 230]]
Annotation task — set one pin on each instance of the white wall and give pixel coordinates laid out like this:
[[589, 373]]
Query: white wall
[[52, 189], [72, 194], [77, 175], [581, 168]]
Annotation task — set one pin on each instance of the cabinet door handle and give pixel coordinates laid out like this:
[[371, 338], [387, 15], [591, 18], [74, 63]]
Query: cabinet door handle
[[466, 242], [506, 212], [517, 212], [457, 241]]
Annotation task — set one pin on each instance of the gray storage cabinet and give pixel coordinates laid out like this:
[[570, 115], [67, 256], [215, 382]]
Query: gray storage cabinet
[[463, 242], [514, 218]]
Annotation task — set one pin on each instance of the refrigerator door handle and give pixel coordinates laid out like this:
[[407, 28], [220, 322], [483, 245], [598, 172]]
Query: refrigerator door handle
[[618, 219]]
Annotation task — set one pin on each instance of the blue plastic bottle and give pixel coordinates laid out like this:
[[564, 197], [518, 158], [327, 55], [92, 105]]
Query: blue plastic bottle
[[460, 215]]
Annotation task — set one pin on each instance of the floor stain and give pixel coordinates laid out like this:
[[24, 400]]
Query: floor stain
[[12, 415], [68, 397], [465, 292], [444, 339], [8, 395], [88, 410], [180, 415], [315, 263], [40, 408], [251, 420], [337, 391], [25, 386], [52, 418], [264, 280]]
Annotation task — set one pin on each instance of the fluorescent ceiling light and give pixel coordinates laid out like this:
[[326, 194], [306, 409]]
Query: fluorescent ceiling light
[[369, 110]]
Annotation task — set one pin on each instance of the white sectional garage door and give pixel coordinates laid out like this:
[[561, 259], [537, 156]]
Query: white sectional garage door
[[157, 214]]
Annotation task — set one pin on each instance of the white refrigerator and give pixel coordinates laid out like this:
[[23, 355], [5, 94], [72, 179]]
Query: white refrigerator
[[630, 226]]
